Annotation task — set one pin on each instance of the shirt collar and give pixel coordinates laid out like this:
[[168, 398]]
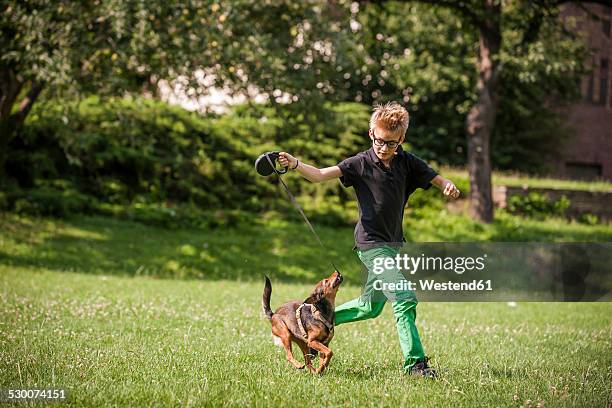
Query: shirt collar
[[375, 158]]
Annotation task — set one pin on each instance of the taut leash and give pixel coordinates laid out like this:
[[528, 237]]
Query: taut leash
[[297, 206]]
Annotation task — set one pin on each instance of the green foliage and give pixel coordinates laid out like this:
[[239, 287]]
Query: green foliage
[[162, 162], [535, 87], [537, 205], [143, 160], [406, 55], [588, 219], [432, 199], [55, 198], [113, 47], [174, 217], [51, 201], [424, 55], [314, 51]]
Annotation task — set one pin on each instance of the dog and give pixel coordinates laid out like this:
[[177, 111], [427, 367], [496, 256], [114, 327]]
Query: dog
[[310, 323]]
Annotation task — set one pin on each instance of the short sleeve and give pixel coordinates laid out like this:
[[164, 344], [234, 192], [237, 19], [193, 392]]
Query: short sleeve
[[351, 170], [420, 172]]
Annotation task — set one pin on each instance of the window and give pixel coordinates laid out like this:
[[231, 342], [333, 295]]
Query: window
[[589, 94], [583, 171], [603, 91], [604, 17], [605, 27], [603, 81]]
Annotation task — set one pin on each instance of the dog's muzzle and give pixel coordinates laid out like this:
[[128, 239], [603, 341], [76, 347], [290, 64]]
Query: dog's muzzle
[[338, 280]]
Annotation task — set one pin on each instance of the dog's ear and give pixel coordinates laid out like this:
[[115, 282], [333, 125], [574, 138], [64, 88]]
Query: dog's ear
[[316, 295]]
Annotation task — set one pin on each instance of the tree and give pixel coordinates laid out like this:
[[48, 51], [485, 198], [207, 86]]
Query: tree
[[480, 120], [423, 53], [299, 52], [117, 47], [488, 17]]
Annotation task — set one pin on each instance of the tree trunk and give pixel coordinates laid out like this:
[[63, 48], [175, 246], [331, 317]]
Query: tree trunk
[[6, 133], [10, 88], [481, 118]]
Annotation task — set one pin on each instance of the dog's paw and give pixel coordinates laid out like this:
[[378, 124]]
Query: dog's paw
[[319, 370]]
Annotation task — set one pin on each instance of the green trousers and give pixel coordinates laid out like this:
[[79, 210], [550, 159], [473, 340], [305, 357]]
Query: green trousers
[[371, 303]]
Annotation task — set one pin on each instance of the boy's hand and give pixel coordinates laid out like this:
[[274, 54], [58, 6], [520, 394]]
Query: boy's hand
[[450, 190], [287, 160]]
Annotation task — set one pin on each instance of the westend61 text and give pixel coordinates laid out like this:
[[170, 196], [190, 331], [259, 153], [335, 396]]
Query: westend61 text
[[431, 285]]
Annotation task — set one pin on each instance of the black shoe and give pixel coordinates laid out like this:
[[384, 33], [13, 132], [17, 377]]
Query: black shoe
[[422, 369]]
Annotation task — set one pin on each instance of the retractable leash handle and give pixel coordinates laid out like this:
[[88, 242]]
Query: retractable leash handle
[[266, 165]]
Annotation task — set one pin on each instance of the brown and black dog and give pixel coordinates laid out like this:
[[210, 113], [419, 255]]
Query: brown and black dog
[[309, 323]]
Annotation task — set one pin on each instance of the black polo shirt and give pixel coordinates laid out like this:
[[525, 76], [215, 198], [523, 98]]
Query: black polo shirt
[[382, 193]]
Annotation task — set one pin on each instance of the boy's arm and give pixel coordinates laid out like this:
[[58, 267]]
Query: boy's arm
[[448, 187], [307, 171]]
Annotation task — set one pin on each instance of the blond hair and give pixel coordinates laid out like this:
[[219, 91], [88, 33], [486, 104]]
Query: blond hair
[[391, 116]]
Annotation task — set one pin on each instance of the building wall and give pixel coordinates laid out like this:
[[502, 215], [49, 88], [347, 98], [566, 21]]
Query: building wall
[[588, 154]]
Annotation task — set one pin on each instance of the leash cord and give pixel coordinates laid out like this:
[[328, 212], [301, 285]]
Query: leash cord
[[297, 206]]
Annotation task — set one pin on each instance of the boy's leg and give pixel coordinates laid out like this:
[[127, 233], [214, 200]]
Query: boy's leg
[[358, 309], [404, 304], [410, 342], [367, 306]]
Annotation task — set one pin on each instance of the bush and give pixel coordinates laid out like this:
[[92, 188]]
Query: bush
[[588, 219], [57, 199], [537, 205], [178, 216], [151, 159]]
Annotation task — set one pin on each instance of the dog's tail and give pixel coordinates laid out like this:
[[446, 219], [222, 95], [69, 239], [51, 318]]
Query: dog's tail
[[265, 301]]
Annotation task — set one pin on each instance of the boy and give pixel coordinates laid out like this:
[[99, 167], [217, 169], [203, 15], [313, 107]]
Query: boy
[[383, 177]]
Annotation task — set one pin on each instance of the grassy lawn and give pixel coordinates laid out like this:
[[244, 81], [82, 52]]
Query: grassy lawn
[[86, 304], [141, 341], [515, 179], [282, 249]]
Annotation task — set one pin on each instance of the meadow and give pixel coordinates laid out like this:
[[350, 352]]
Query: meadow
[[135, 233], [120, 313]]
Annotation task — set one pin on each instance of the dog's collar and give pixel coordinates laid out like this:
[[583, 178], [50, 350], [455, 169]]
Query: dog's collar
[[316, 314]]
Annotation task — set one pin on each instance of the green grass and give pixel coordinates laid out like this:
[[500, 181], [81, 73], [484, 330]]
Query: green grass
[[85, 305], [284, 250], [140, 341], [516, 179]]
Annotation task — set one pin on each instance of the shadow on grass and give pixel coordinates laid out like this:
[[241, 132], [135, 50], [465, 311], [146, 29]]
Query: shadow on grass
[[96, 245], [367, 372], [285, 251]]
